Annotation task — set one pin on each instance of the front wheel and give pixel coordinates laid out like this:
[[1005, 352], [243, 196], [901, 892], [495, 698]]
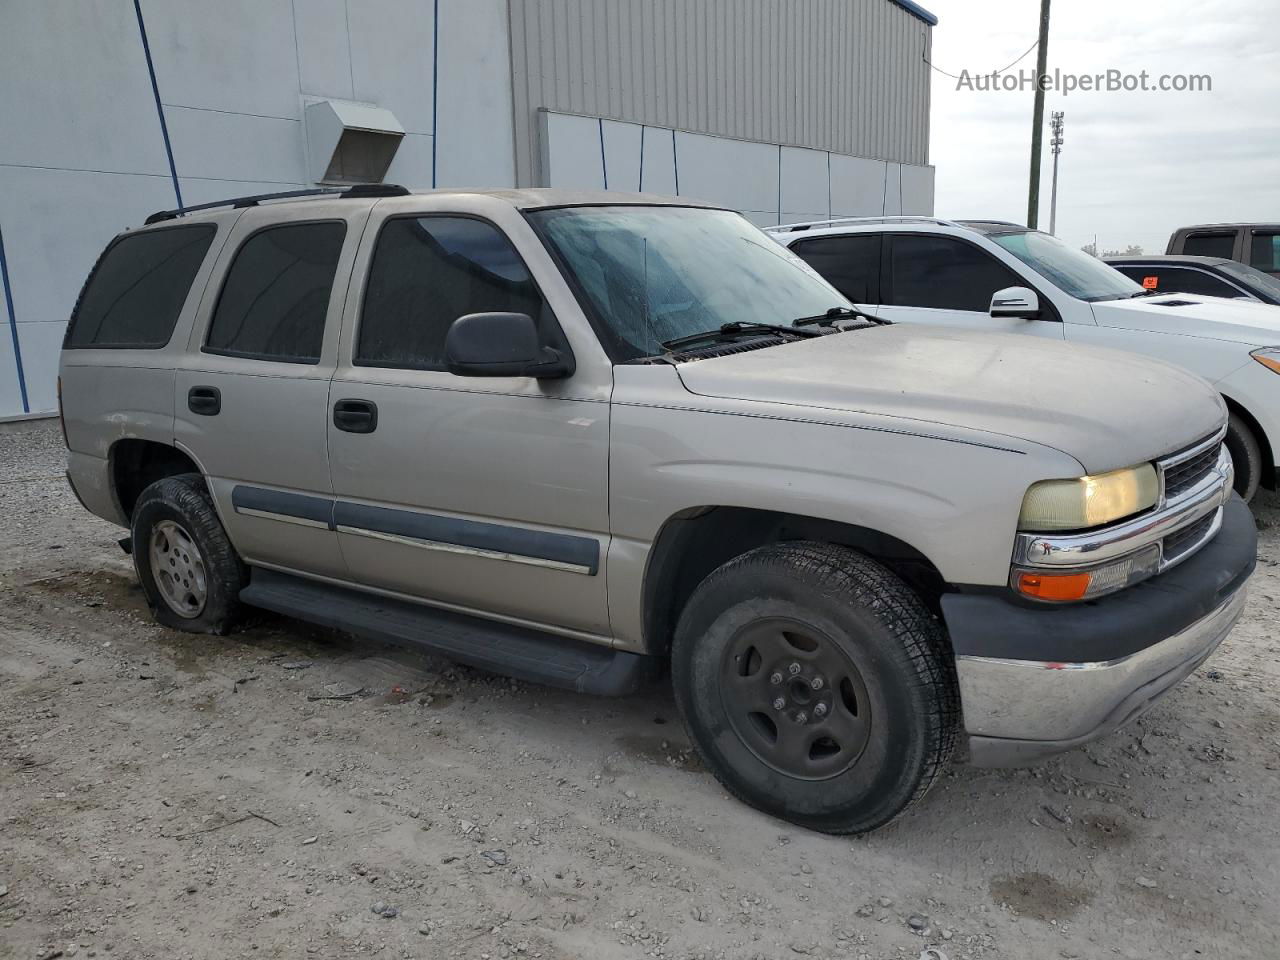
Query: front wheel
[[190, 573], [816, 686], [1246, 457]]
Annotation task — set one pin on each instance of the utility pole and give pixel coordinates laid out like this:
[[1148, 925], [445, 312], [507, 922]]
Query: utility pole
[[1037, 121], [1055, 144]]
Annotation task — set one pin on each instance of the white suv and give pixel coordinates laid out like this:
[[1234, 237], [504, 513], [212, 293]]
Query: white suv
[[995, 276]]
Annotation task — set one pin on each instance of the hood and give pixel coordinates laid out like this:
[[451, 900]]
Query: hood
[[1217, 318], [1105, 408]]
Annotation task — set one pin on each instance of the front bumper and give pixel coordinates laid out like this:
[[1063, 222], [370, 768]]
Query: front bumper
[[1035, 681]]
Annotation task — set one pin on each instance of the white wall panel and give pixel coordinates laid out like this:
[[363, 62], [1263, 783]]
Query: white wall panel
[[622, 154], [324, 55], [857, 186], [391, 45], [412, 164], [75, 91], [41, 343], [736, 173], [893, 190], [659, 172], [917, 190], [57, 222], [231, 146], [476, 145], [805, 181], [10, 390], [198, 190], [573, 151], [234, 55]]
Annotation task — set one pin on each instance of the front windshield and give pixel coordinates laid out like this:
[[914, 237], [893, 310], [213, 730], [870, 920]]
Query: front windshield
[[1252, 277], [1072, 271], [651, 274]]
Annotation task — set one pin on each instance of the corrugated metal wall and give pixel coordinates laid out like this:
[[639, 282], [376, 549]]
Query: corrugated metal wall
[[842, 75]]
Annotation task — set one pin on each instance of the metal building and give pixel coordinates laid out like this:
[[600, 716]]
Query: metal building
[[111, 109]]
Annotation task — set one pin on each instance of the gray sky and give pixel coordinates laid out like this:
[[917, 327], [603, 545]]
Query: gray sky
[[1135, 165]]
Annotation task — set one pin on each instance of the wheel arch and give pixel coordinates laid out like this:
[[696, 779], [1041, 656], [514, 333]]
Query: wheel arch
[[694, 542], [1268, 479], [135, 464]]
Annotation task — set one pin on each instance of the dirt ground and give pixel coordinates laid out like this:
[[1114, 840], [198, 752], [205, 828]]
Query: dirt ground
[[289, 792]]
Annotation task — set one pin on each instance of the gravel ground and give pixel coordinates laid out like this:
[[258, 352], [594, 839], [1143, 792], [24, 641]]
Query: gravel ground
[[292, 792]]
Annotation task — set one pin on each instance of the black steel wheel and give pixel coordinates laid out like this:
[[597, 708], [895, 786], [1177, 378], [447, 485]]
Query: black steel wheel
[[795, 698], [816, 686]]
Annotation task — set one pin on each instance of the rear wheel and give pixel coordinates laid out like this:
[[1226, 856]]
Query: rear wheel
[[190, 573], [816, 686], [1246, 457]]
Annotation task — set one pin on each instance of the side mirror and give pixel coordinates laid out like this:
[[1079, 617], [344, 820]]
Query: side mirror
[[1018, 303], [501, 345]]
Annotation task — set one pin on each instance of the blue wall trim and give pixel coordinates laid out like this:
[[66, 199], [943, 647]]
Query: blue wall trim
[[640, 185], [13, 326], [917, 11], [155, 89], [435, 84], [675, 162], [604, 164]]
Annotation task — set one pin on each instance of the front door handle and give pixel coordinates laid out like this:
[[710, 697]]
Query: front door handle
[[356, 416], [206, 401]]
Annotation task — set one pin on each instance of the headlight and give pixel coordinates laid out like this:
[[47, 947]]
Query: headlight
[[1269, 357], [1089, 501]]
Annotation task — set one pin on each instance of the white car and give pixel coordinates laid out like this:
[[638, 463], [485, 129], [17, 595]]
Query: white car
[[995, 276]]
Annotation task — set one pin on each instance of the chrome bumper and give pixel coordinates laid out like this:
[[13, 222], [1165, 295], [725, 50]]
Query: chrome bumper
[[1020, 711]]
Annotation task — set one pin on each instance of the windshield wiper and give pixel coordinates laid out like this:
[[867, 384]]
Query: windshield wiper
[[733, 330], [836, 314]]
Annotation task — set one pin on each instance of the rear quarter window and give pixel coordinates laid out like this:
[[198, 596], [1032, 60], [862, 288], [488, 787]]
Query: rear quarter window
[[137, 288]]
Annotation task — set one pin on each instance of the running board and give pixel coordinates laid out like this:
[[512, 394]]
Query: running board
[[503, 648]]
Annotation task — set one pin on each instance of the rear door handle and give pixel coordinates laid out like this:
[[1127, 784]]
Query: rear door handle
[[206, 401], [356, 416]]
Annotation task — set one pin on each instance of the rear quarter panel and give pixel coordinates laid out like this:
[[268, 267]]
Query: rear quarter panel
[[110, 395]]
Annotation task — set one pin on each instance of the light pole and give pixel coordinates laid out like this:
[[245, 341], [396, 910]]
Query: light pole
[[1055, 124], [1037, 119]]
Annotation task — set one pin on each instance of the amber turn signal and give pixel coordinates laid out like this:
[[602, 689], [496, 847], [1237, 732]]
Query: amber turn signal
[[1268, 357], [1054, 586]]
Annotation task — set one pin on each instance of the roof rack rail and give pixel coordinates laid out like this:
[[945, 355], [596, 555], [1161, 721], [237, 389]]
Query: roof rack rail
[[840, 221], [358, 191]]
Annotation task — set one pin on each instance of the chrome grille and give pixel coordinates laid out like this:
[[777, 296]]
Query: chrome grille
[[1182, 475], [1182, 542]]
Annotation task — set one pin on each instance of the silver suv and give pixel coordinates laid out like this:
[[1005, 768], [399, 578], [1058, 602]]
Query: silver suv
[[578, 437]]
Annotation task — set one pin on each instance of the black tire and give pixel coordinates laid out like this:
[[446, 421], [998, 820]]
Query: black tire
[[182, 503], [1246, 457], [853, 611]]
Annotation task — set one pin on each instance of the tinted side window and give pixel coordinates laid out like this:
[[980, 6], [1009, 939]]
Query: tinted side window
[[945, 273], [1181, 280], [276, 294], [851, 264], [428, 271], [1264, 252], [1209, 245], [136, 291]]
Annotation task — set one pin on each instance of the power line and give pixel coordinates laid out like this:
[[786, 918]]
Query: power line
[[956, 76]]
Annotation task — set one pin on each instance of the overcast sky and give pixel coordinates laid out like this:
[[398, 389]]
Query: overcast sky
[[1135, 165]]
